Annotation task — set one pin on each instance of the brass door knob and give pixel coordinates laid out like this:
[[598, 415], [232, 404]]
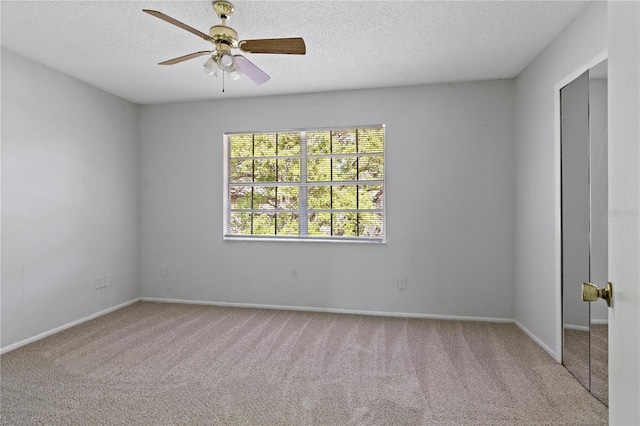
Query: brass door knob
[[591, 293]]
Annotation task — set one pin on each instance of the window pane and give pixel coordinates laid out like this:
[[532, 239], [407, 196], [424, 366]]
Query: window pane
[[370, 196], [370, 140], [264, 224], [241, 145], [370, 224], [345, 197], [240, 197], [287, 197], [319, 224], [288, 144], [289, 170], [240, 223], [287, 224], [343, 141], [318, 142], [370, 168], [345, 168], [264, 198], [345, 224], [318, 169], [319, 197], [264, 145], [264, 170], [241, 170]]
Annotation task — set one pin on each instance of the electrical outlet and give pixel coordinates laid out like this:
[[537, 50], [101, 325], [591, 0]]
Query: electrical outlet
[[99, 281], [106, 280], [402, 283]]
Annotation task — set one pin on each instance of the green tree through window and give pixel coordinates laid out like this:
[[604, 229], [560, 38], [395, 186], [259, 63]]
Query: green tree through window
[[319, 184]]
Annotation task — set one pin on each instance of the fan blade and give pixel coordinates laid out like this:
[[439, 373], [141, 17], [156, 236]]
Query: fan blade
[[287, 46], [251, 70], [185, 57], [177, 23]]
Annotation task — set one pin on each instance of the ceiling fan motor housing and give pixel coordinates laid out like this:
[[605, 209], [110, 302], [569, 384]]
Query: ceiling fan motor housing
[[224, 34]]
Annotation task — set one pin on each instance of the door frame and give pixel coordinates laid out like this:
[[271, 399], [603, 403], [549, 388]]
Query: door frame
[[558, 196]]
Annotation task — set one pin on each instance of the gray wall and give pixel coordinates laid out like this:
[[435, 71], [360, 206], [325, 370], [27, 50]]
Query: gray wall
[[69, 199], [537, 201], [450, 196]]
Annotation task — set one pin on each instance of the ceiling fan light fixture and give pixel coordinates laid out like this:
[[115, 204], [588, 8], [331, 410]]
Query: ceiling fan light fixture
[[234, 74], [210, 67], [226, 60]]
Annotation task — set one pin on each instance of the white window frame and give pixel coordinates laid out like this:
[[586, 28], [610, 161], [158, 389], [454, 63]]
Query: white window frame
[[303, 191]]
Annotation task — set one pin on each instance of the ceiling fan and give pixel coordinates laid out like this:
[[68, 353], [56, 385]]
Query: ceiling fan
[[225, 38]]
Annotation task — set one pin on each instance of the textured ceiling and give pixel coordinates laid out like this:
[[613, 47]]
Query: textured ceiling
[[350, 44]]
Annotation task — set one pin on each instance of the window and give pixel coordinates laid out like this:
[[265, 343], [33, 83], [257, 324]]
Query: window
[[313, 184]]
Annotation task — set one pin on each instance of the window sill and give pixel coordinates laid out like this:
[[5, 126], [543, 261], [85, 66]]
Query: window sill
[[356, 240]]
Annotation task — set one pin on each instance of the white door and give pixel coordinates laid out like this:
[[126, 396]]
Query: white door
[[623, 212]]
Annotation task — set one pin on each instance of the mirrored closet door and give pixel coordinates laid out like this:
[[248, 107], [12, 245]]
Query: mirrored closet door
[[583, 105]]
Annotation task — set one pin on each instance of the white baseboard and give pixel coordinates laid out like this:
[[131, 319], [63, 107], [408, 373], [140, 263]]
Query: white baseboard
[[576, 327], [328, 310], [65, 326], [600, 321], [538, 341]]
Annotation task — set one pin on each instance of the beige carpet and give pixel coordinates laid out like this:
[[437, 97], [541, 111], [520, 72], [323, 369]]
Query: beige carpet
[[586, 356], [168, 364], [600, 361], [576, 355]]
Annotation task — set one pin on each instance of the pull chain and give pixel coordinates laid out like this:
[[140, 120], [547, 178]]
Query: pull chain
[[223, 73]]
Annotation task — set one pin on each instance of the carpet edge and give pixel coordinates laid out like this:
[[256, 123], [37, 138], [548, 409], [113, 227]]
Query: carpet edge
[[552, 353], [53, 331]]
